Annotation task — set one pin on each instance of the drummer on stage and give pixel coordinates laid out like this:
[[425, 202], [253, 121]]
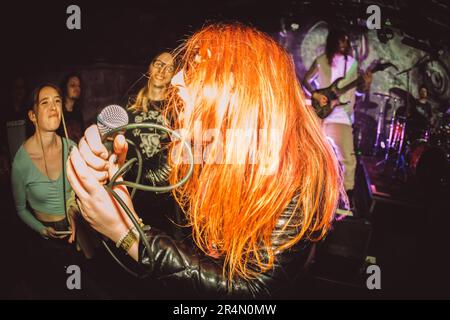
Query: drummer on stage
[[419, 116]]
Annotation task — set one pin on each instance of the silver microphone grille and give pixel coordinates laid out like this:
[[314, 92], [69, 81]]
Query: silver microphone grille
[[111, 117]]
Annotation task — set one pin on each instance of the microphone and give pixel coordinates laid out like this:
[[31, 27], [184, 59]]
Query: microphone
[[110, 118], [113, 117]]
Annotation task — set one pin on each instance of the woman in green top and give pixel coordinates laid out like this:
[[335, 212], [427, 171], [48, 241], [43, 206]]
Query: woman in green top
[[37, 171], [39, 183]]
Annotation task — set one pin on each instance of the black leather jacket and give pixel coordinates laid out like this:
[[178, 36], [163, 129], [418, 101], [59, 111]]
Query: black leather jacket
[[184, 271]]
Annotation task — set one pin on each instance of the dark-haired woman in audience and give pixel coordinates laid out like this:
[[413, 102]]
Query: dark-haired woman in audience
[[41, 192], [71, 100]]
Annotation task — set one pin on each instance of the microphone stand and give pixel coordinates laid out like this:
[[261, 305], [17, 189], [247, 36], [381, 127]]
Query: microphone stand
[[380, 126]]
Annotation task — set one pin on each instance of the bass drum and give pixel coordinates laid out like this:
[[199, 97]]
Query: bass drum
[[428, 164]]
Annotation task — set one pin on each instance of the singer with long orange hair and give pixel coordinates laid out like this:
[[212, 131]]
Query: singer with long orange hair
[[266, 182]]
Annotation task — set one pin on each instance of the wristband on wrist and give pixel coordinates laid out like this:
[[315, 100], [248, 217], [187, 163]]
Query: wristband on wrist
[[128, 239]]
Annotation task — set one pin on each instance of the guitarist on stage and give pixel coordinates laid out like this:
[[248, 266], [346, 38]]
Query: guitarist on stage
[[334, 63]]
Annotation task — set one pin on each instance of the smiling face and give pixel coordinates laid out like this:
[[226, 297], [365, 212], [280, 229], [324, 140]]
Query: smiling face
[[161, 70], [47, 112]]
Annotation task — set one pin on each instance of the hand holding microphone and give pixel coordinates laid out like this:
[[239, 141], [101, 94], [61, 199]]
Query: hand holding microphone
[[91, 171], [97, 154], [88, 168]]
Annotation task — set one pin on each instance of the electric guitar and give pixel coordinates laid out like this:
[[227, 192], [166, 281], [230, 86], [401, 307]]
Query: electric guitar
[[333, 92]]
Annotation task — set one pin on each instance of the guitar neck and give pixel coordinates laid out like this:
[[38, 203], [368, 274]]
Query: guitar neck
[[349, 86], [357, 81]]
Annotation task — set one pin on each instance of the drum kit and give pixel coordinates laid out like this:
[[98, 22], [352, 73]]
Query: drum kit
[[407, 146]]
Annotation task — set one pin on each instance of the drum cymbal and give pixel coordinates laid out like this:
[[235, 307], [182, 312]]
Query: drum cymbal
[[401, 93]]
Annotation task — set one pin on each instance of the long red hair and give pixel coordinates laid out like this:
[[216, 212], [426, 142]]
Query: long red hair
[[241, 80]]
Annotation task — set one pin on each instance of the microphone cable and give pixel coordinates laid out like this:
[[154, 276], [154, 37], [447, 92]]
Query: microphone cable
[[137, 186]]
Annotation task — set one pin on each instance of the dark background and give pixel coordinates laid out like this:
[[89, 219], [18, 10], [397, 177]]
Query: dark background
[[118, 39], [34, 33]]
